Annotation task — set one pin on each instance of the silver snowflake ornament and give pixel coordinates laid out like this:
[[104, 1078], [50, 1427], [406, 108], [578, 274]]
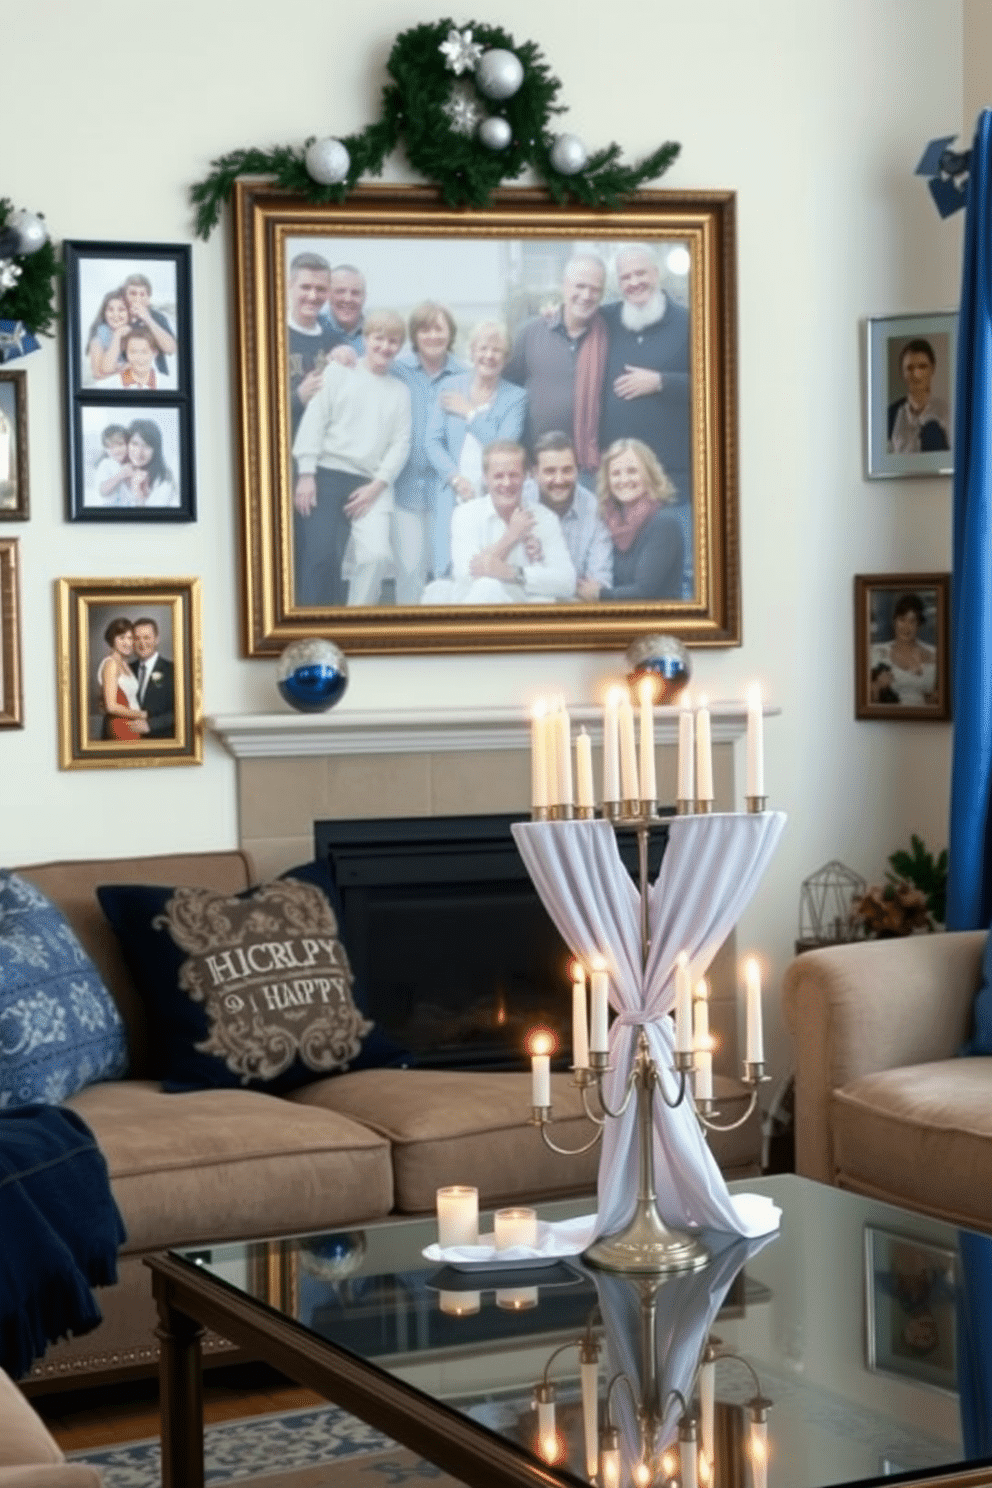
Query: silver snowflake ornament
[[10, 272], [461, 51], [464, 109]]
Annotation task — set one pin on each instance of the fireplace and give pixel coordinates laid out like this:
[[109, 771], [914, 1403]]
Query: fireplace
[[456, 954]]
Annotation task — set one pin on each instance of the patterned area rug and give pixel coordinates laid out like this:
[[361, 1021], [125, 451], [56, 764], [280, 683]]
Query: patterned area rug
[[322, 1447]]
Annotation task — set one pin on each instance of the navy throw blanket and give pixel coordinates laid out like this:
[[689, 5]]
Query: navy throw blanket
[[60, 1229]]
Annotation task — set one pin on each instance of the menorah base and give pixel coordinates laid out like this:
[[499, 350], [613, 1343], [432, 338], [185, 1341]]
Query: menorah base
[[647, 1247]]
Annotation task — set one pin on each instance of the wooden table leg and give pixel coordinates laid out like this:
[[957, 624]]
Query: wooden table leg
[[180, 1395]]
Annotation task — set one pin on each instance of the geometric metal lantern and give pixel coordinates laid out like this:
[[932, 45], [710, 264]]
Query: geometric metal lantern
[[825, 905]]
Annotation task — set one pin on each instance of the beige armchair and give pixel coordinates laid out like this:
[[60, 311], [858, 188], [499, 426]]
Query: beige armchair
[[29, 1455], [882, 1103]]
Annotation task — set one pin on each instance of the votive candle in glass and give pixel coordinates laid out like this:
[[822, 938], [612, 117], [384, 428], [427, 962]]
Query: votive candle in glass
[[515, 1227], [457, 1216], [460, 1304]]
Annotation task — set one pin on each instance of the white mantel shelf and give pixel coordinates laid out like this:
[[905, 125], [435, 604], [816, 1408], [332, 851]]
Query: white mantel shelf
[[439, 730]]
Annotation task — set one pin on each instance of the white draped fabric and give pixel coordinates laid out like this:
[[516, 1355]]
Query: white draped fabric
[[711, 867]]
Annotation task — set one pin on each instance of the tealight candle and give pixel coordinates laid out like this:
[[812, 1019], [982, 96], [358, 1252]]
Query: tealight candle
[[457, 1216], [515, 1227], [516, 1299], [460, 1304]]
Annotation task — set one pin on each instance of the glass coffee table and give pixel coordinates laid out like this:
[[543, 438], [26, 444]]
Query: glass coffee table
[[826, 1355]]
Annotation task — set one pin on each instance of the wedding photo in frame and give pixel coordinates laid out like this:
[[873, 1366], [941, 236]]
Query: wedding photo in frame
[[129, 672], [11, 708], [910, 364], [648, 381], [902, 646], [129, 382], [13, 446]]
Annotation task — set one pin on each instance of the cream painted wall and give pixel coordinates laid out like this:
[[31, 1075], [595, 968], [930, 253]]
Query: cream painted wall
[[814, 114]]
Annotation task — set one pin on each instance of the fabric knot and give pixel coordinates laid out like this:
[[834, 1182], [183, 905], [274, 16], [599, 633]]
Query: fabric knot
[[638, 1018]]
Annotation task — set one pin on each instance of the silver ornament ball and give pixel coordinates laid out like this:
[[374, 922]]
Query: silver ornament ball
[[499, 74], [662, 658], [312, 675], [32, 233], [327, 161], [568, 154], [495, 133]]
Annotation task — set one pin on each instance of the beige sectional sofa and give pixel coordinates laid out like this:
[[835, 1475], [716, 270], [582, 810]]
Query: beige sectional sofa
[[29, 1454], [218, 1165], [883, 1105]]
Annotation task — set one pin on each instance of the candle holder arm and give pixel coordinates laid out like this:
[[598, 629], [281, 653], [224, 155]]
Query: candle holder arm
[[540, 1117]]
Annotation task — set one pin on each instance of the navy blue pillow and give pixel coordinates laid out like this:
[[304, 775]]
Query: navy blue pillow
[[981, 1035], [250, 990]]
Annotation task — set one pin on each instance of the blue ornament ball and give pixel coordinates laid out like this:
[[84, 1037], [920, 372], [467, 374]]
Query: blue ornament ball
[[664, 659], [312, 675]]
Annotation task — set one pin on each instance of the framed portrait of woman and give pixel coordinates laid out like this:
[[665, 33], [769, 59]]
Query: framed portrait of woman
[[910, 363], [129, 382], [902, 646], [504, 429], [129, 672]]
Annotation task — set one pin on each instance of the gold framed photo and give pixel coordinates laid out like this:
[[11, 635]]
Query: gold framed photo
[[902, 652], [509, 429], [11, 708], [13, 446], [130, 672]]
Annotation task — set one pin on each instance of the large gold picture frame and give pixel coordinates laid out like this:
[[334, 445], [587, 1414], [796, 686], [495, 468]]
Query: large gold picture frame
[[154, 713], [409, 248]]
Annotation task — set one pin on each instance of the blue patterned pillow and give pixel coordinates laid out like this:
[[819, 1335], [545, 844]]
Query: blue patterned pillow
[[59, 1026]]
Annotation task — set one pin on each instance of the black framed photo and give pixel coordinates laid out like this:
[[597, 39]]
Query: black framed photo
[[129, 382], [13, 446], [902, 646]]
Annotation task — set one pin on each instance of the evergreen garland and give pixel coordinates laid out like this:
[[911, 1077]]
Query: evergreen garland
[[413, 114], [32, 299]]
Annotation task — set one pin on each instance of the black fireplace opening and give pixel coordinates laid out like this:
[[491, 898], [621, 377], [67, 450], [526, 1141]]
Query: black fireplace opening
[[455, 953]]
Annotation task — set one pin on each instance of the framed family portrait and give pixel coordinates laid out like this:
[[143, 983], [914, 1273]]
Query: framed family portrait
[[13, 446], [910, 364], [902, 646], [129, 382], [910, 1319], [506, 429], [129, 672], [11, 710]]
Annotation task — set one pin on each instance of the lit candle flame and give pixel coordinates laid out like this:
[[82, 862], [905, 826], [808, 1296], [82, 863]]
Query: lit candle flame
[[540, 1041]]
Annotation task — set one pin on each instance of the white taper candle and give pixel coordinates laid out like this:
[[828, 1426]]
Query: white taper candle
[[755, 742], [754, 1046], [704, 754], [649, 779]]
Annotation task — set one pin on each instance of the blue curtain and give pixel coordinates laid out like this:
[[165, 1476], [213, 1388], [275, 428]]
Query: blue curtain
[[969, 887]]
